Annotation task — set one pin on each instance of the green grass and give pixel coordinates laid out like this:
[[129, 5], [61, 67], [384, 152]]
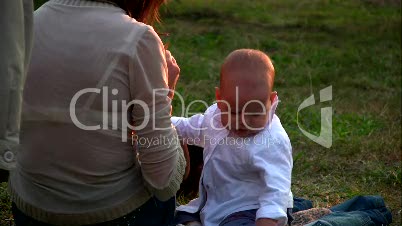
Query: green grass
[[353, 45]]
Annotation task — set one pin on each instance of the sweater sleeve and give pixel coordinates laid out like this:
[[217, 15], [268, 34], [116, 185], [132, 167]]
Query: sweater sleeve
[[161, 157], [16, 20]]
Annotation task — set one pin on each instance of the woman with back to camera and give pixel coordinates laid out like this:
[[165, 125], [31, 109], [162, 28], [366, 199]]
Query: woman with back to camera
[[97, 68]]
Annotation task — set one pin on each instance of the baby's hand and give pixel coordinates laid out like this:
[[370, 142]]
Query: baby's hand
[[193, 223], [266, 222], [187, 157]]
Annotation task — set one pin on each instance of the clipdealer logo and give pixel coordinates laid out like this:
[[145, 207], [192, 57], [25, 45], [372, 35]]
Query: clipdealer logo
[[148, 111]]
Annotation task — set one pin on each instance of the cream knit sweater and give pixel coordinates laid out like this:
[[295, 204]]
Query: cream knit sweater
[[66, 175]]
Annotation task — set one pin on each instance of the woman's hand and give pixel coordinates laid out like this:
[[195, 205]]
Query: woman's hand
[[173, 72]]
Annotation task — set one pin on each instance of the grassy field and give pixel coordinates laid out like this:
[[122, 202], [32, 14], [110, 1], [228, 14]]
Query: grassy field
[[355, 46], [352, 45]]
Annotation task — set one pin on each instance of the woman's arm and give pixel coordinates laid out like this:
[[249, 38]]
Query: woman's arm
[[161, 157]]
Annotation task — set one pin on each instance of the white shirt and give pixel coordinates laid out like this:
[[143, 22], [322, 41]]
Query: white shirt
[[239, 173]]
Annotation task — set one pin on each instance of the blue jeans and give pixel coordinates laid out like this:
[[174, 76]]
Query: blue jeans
[[151, 213], [242, 218], [300, 204], [358, 211]]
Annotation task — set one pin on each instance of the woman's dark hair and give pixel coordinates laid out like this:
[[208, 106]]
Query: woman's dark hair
[[146, 11]]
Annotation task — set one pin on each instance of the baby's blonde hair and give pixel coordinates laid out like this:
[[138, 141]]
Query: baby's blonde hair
[[251, 59]]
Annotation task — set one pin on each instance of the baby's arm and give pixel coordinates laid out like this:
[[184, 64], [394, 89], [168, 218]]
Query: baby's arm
[[190, 129], [274, 165]]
